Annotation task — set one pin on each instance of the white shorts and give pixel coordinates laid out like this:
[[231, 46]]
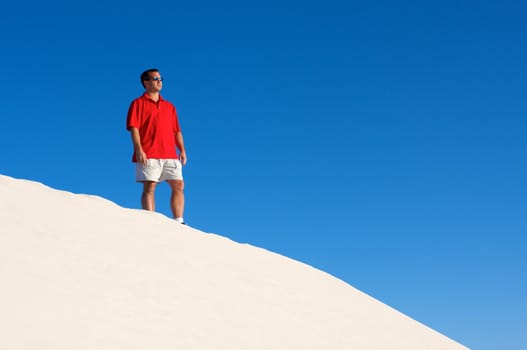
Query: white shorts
[[158, 170]]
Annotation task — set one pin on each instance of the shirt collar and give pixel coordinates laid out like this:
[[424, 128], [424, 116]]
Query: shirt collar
[[147, 96]]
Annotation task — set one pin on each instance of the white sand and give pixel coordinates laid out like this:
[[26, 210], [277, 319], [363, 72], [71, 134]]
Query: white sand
[[79, 272]]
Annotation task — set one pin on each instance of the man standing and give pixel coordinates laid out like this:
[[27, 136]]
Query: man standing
[[154, 127]]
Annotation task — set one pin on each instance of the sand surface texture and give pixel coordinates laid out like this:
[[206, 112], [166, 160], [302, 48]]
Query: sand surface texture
[[78, 272]]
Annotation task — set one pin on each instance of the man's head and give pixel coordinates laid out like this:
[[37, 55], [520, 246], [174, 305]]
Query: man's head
[[152, 80]]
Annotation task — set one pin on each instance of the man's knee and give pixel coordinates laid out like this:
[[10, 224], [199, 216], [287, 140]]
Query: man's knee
[[177, 185], [149, 187]]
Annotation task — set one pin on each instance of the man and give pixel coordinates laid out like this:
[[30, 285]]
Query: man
[[154, 127]]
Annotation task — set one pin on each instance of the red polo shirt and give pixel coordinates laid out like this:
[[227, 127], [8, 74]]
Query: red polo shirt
[[158, 125]]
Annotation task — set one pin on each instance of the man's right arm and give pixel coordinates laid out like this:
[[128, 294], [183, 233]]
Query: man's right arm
[[140, 156]]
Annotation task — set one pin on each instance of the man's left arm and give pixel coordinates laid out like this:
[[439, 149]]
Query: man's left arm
[[181, 146]]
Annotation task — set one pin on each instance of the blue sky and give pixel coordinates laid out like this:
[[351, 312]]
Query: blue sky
[[383, 143]]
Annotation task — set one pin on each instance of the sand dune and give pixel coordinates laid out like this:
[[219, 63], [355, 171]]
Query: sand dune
[[79, 272]]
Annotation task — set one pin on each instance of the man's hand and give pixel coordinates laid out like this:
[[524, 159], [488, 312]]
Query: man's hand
[[183, 158], [181, 146], [140, 156]]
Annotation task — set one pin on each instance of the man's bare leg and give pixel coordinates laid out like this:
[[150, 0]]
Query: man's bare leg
[[177, 199], [147, 198]]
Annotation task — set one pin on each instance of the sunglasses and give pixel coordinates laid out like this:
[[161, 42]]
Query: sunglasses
[[155, 79]]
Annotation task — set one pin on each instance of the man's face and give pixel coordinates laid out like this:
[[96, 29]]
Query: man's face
[[154, 83]]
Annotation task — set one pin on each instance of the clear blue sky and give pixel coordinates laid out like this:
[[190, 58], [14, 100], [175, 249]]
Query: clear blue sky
[[382, 142]]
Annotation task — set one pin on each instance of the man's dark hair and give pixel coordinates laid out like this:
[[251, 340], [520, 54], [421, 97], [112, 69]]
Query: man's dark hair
[[146, 74]]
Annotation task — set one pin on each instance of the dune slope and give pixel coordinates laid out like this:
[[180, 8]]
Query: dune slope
[[79, 272]]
